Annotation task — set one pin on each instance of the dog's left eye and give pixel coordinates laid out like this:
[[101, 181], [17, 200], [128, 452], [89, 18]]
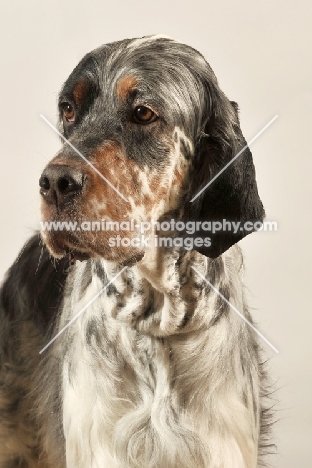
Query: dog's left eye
[[144, 115], [68, 111]]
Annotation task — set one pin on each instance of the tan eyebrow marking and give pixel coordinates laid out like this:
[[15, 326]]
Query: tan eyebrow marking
[[80, 91], [125, 85]]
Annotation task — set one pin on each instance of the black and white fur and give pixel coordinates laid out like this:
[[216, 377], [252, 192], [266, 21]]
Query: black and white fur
[[158, 371]]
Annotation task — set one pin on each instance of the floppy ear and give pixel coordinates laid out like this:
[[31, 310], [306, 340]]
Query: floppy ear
[[233, 195]]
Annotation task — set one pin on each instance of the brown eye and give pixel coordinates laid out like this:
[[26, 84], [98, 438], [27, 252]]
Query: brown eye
[[68, 111], [144, 115]]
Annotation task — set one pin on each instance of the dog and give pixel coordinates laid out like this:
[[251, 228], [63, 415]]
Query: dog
[[119, 347]]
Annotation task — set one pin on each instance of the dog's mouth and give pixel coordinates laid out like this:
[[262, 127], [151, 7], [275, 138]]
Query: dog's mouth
[[82, 248], [62, 246]]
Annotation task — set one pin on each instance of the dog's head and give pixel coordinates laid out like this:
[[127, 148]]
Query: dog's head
[[147, 128]]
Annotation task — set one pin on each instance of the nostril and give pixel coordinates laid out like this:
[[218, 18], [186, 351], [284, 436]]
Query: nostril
[[63, 184], [44, 183], [67, 184]]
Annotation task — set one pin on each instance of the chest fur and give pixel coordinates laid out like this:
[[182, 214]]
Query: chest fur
[[135, 399]]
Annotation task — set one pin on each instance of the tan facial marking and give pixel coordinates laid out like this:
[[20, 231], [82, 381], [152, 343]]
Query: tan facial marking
[[80, 91], [148, 193], [125, 85]]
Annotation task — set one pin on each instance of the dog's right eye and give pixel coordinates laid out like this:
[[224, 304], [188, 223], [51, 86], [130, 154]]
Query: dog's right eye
[[144, 115], [68, 111]]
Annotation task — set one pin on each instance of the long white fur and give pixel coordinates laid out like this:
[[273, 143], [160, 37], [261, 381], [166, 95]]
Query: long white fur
[[118, 413]]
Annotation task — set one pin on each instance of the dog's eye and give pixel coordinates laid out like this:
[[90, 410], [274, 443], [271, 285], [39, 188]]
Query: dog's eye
[[144, 115], [68, 111]]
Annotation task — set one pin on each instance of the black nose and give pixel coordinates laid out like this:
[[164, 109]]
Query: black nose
[[59, 183]]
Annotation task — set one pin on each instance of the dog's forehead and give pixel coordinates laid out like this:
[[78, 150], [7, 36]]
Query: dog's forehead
[[149, 62]]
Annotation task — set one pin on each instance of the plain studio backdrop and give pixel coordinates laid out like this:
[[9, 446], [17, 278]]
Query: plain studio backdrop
[[260, 52]]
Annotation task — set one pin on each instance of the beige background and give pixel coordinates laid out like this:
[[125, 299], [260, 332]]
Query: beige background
[[260, 52]]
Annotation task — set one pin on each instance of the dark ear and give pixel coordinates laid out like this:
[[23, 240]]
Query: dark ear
[[233, 195]]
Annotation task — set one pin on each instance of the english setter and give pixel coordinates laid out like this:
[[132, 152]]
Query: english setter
[[149, 366]]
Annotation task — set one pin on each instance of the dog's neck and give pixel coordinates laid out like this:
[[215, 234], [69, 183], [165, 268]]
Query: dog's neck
[[174, 293]]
